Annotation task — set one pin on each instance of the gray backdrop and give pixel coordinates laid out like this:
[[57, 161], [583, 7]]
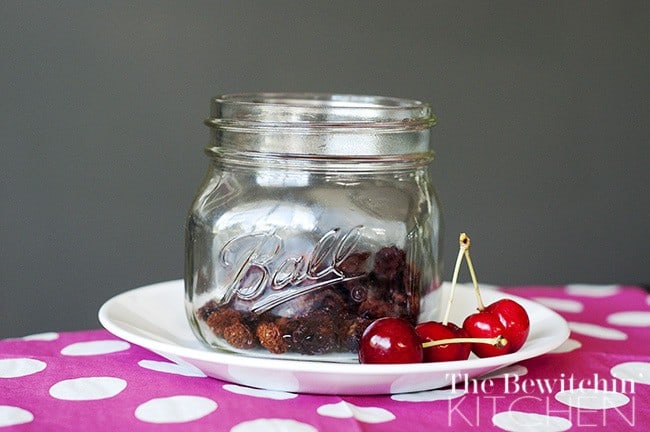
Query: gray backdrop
[[542, 142]]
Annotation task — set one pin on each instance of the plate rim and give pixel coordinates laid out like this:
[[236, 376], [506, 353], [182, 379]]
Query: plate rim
[[318, 366]]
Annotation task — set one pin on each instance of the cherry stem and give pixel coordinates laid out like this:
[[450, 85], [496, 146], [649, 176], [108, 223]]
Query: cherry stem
[[454, 280], [498, 341], [464, 246]]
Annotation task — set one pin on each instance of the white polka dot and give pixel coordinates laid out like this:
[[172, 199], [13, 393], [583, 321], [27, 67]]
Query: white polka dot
[[267, 394], [273, 425], [517, 421], [172, 368], [639, 372], [597, 331], [12, 416], [508, 371], [175, 409], [363, 414], [18, 367], [567, 346], [429, 396], [592, 398], [49, 336], [630, 319], [95, 348], [91, 388], [583, 290], [562, 305]]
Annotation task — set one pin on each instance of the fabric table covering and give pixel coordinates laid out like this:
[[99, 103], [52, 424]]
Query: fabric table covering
[[599, 379]]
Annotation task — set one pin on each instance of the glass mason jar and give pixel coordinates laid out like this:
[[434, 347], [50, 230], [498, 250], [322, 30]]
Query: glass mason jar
[[316, 217]]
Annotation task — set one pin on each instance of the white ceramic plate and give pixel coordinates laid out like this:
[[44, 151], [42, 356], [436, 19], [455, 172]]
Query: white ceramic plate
[[153, 317]]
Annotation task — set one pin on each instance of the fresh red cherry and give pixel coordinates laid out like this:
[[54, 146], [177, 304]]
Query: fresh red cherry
[[435, 331], [504, 317], [485, 325], [515, 321], [390, 340]]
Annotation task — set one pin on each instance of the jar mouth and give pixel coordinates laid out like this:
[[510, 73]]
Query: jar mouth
[[313, 110]]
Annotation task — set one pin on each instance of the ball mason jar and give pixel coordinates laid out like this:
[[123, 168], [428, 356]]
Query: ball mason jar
[[317, 216]]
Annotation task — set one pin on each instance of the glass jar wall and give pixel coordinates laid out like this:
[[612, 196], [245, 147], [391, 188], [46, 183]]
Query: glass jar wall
[[316, 217]]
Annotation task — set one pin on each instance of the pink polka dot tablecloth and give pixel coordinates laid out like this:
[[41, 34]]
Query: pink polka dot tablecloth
[[599, 379]]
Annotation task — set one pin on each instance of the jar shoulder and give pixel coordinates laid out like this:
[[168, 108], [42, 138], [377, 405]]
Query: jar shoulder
[[250, 194]]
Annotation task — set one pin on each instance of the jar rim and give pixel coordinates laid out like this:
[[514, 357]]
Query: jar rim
[[314, 110]]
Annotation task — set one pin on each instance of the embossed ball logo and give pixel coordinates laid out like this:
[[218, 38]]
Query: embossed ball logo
[[253, 260]]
